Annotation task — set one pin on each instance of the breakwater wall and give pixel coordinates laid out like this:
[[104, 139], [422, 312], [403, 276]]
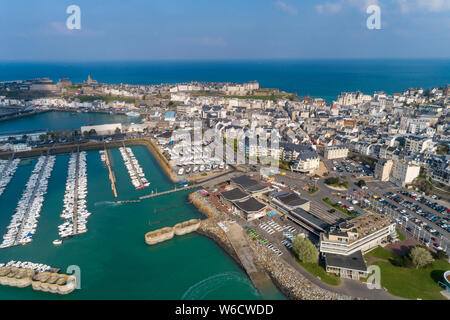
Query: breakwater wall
[[167, 233], [44, 281], [21, 115]]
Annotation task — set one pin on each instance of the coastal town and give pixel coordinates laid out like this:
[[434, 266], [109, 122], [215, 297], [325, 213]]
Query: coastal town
[[309, 194]]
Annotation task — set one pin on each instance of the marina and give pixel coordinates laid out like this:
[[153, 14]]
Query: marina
[[24, 221], [7, 170], [134, 169], [75, 210], [102, 248]]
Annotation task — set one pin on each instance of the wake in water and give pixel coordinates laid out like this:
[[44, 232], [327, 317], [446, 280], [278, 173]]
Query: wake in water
[[201, 289], [106, 204]]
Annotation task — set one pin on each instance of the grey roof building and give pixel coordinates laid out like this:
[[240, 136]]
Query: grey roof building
[[248, 184], [235, 194]]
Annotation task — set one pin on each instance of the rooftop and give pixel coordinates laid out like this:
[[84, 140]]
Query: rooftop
[[250, 205], [291, 199], [309, 219], [248, 184], [235, 194], [355, 261]]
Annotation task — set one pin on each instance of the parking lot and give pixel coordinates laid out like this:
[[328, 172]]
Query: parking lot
[[407, 219], [277, 232], [350, 167]]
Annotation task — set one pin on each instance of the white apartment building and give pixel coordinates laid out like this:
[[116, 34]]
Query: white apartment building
[[306, 162], [335, 152], [383, 169], [103, 129], [418, 144], [360, 234], [404, 173]]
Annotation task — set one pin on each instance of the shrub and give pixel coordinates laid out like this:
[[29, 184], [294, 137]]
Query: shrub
[[305, 250], [420, 257]]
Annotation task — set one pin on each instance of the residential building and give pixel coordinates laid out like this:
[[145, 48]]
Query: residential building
[[383, 169], [344, 244], [335, 152], [403, 173]]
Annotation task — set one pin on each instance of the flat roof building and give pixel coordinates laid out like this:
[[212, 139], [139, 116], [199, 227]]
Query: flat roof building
[[344, 244], [252, 208], [351, 267], [362, 233], [308, 221], [248, 184], [235, 194], [287, 201]]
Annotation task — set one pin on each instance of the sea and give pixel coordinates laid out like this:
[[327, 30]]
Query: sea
[[319, 78], [112, 258]]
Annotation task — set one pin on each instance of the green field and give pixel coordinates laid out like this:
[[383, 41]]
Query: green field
[[410, 283], [381, 253]]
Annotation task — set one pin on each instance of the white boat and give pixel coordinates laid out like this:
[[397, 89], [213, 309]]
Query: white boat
[[132, 114], [57, 242]]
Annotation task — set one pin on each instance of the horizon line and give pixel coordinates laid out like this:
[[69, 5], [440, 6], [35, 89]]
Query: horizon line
[[226, 60]]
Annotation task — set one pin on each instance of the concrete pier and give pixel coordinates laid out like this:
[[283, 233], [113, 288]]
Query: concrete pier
[[112, 177]]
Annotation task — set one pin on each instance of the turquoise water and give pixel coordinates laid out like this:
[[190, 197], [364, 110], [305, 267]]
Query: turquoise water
[[318, 78], [114, 260], [55, 120]]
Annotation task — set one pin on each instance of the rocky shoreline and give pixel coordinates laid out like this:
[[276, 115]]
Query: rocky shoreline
[[291, 283]]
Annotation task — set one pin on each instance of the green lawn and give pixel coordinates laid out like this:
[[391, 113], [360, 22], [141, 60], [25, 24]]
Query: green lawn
[[412, 283], [319, 271], [381, 253]]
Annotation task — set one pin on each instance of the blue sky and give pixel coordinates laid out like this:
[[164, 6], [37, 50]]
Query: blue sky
[[35, 30]]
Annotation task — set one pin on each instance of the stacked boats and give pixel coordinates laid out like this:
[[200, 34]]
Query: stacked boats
[[75, 210], [134, 169], [24, 221], [38, 267], [7, 170]]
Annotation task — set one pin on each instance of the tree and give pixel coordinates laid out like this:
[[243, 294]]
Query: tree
[[420, 257], [117, 131], [86, 134], [361, 183], [42, 137], [332, 180], [92, 132], [305, 250]]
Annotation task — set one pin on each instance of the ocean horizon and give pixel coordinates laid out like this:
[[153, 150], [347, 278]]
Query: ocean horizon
[[319, 78]]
